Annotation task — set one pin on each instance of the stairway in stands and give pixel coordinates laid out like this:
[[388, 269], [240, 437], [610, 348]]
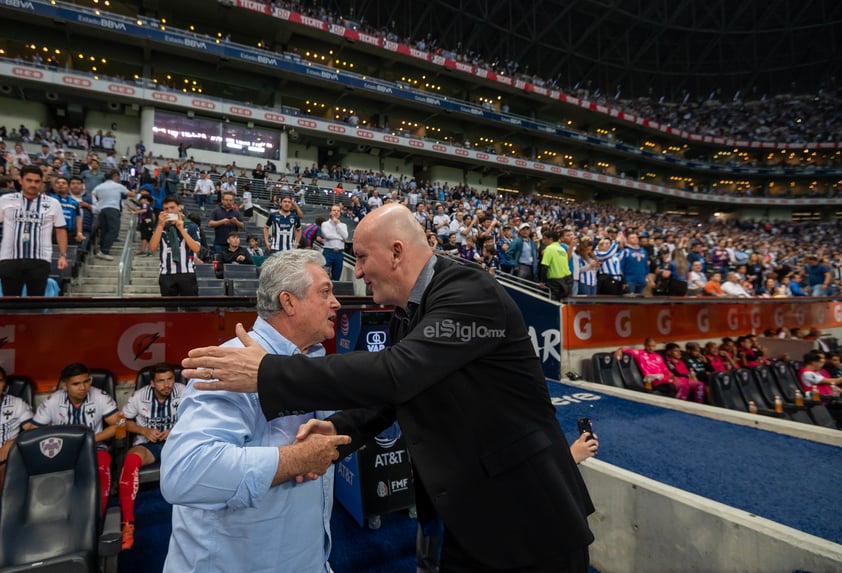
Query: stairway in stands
[[99, 277]]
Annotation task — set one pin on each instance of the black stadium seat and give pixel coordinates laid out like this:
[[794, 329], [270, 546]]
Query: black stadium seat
[[243, 287], [235, 271], [725, 393], [747, 385], [50, 505], [23, 387], [765, 381], [606, 370]]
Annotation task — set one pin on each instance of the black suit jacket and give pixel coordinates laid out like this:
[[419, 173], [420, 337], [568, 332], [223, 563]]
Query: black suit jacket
[[464, 382]]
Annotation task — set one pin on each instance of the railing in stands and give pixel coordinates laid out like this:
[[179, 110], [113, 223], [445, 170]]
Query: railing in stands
[[125, 267]]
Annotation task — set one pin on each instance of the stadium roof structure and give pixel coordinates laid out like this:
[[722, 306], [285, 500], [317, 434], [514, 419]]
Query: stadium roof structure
[[651, 48]]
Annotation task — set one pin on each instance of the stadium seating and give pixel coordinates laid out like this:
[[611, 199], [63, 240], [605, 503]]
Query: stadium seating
[[633, 379], [606, 370], [213, 287], [23, 387], [50, 505], [235, 271], [747, 385], [242, 287], [725, 393]]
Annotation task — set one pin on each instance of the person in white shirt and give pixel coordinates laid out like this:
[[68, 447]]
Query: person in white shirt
[[696, 279], [204, 189], [29, 218], [732, 287], [334, 233]]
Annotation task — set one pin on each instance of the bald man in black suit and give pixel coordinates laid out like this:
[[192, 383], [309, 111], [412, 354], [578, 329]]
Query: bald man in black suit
[[462, 379]]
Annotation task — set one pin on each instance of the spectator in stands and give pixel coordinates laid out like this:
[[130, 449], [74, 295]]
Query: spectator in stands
[[29, 220], [92, 176], [733, 287], [359, 209], [225, 219], [78, 403], [696, 279], [108, 200], [179, 241], [609, 277], [254, 250], [235, 253], [810, 376], [634, 263], [818, 276], [334, 234], [312, 234], [714, 286], [449, 246], [70, 208], [793, 284], [489, 261], [15, 414], [168, 179], [282, 231], [503, 245], [83, 197], [683, 378], [374, 201], [555, 268], [204, 190], [522, 254], [462, 380], [145, 223], [585, 265], [19, 158], [150, 413], [225, 462]]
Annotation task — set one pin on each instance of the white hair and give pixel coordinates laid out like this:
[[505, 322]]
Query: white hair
[[285, 271]]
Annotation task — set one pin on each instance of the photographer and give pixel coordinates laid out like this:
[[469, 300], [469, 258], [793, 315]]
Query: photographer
[[179, 242]]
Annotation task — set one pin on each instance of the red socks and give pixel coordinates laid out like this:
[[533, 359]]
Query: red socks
[[129, 485]]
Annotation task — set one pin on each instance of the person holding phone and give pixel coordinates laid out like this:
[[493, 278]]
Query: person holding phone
[[587, 445], [179, 242]]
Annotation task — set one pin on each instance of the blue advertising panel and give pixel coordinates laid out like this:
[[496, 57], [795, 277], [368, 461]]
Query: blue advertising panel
[[376, 479], [543, 319]]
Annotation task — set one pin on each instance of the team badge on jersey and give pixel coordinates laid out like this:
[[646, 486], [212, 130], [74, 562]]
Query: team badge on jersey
[[51, 447]]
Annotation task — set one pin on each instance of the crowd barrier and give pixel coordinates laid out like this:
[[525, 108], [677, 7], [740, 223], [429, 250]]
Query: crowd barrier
[[38, 337]]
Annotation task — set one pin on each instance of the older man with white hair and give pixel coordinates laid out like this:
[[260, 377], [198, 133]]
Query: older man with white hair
[[231, 474]]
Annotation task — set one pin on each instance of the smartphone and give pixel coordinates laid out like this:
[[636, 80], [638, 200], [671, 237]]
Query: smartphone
[[584, 425], [172, 217]]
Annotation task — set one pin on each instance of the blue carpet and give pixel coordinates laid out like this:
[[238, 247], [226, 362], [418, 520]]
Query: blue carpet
[[390, 549], [785, 479]]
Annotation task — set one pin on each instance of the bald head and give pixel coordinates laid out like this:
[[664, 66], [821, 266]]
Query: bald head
[[391, 251], [393, 222]]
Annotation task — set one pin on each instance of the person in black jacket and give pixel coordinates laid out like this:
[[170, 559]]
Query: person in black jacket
[[464, 382]]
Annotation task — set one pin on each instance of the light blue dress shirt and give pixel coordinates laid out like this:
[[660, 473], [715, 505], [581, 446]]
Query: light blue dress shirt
[[217, 467]]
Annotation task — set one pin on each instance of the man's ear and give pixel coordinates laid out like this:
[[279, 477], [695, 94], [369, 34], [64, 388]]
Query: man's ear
[[287, 303]]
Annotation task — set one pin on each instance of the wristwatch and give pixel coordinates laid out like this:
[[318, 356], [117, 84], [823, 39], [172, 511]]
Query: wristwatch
[[63, 255]]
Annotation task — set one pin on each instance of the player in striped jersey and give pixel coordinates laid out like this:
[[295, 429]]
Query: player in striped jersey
[[79, 404], [29, 218], [283, 228], [151, 412], [14, 413]]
